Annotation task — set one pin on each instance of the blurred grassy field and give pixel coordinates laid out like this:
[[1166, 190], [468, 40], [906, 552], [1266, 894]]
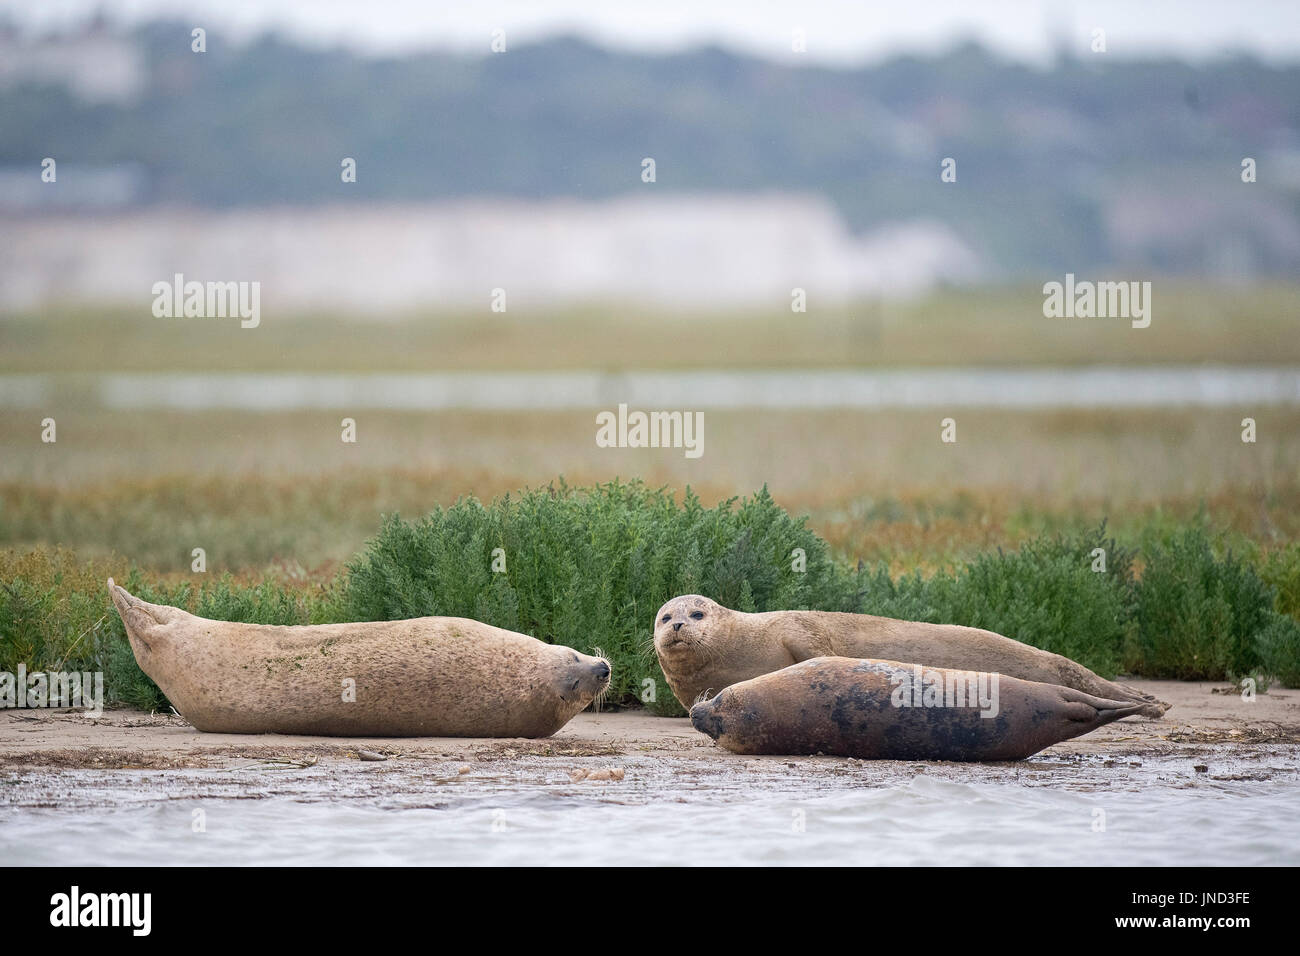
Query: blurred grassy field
[[1003, 326], [281, 490]]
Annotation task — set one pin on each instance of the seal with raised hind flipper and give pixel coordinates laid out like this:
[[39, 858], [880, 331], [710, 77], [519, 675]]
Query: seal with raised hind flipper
[[886, 710], [428, 676], [704, 647]]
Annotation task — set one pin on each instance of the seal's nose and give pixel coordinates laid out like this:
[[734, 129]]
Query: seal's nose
[[677, 625], [705, 720], [602, 670]]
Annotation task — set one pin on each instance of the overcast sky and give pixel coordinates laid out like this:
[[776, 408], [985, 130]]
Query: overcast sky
[[839, 31]]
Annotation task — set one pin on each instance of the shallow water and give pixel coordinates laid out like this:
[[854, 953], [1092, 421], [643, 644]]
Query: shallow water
[[925, 821], [1087, 387]]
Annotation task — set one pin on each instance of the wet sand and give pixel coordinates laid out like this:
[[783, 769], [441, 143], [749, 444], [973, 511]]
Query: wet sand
[[1214, 782], [60, 758]]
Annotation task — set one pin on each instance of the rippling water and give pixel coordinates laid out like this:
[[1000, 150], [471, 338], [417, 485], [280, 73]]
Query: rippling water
[[926, 821]]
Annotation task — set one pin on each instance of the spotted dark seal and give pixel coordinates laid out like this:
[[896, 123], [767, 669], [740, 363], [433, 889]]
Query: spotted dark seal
[[886, 710]]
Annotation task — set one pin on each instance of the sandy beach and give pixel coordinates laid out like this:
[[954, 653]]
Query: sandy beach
[[1209, 734], [1212, 782]]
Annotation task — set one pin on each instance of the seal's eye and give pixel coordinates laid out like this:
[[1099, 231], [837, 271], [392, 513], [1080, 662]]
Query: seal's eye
[[666, 618], [697, 614]]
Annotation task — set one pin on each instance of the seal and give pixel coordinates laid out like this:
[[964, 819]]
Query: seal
[[427, 676], [886, 710], [704, 647]]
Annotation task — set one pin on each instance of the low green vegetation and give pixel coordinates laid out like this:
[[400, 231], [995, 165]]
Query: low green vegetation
[[1046, 593], [588, 567]]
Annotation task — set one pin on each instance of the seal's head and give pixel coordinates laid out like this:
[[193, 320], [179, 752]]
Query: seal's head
[[706, 719], [688, 625], [578, 679], [734, 713]]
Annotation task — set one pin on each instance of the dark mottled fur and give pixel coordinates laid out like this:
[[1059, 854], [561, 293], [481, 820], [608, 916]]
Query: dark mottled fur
[[844, 706]]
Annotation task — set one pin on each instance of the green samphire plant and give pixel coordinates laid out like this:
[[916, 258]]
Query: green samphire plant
[[589, 567]]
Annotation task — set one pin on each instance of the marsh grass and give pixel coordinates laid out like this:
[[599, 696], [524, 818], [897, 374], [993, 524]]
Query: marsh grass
[[1045, 593], [995, 530], [589, 566], [280, 488], [1203, 615]]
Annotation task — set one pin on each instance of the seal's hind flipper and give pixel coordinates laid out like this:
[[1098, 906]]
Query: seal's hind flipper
[[1118, 710], [1092, 712], [1151, 707], [141, 618]]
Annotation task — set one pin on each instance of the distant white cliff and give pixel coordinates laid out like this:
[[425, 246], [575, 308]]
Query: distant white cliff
[[689, 251]]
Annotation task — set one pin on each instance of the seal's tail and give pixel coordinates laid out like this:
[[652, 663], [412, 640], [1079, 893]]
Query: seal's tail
[[143, 620]]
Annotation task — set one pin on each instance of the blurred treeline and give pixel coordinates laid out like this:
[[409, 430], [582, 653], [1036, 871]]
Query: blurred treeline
[[1094, 162]]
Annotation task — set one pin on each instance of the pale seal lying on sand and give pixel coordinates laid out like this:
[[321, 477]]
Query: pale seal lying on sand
[[884, 710], [435, 676], [704, 647]]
